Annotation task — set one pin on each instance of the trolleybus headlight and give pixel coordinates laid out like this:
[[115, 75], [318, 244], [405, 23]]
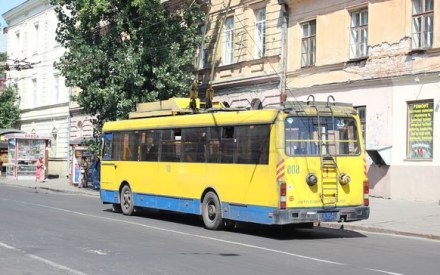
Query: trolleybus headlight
[[344, 179], [311, 179]]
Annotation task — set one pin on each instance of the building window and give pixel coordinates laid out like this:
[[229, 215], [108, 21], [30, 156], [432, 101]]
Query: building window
[[79, 126], [202, 51], [53, 142], [362, 111], [420, 126], [422, 23], [359, 34], [36, 38], [56, 89], [33, 96], [308, 43], [17, 49], [260, 32], [229, 40]]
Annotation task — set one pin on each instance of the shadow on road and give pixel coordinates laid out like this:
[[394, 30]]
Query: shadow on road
[[277, 232]]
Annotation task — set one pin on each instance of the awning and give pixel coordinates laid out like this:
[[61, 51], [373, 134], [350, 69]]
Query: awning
[[9, 131], [3, 132]]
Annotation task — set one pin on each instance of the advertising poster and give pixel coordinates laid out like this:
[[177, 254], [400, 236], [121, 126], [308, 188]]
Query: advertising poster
[[420, 125]]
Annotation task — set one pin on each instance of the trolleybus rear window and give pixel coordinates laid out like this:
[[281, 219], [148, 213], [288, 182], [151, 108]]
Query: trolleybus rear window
[[334, 136]]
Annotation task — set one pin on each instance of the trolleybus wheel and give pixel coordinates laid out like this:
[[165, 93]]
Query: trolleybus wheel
[[127, 204], [211, 211]]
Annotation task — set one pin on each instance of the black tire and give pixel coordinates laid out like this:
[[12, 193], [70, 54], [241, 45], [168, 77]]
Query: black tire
[[116, 208], [306, 225], [127, 204], [211, 212]]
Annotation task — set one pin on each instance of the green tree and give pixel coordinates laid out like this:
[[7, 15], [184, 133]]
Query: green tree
[[9, 111], [123, 52]]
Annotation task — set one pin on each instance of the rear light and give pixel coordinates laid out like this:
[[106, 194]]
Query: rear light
[[283, 195], [366, 193], [366, 187]]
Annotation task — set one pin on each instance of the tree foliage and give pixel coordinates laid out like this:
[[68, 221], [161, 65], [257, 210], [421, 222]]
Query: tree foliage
[[9, 111], [123, 52]]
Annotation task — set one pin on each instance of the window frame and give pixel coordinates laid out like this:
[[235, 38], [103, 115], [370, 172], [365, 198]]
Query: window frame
[[260, 32], [356, 31], [229, 41], [421, 33], [308, 43]]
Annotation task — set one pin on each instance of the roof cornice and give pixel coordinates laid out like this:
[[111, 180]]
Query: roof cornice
[[19, 10]]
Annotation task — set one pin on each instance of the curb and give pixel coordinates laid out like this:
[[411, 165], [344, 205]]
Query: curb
[[84, 192], [92, 193], [374, 229]]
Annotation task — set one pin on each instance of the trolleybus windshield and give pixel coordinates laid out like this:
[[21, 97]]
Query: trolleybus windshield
[[335, 136]]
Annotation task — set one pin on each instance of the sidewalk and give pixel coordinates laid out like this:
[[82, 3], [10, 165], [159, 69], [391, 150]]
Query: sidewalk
[[399, 217], [57, 185], [407, 218]]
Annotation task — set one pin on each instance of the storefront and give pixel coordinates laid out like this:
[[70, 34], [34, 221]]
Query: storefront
[[23, 153]]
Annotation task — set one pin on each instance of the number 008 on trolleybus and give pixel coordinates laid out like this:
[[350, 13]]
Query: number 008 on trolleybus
[[301, 163]]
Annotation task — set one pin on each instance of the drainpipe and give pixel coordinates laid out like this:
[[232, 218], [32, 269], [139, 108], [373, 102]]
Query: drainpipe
[[283, 67]]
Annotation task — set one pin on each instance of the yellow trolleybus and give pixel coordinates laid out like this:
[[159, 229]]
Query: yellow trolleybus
[[300, 163]]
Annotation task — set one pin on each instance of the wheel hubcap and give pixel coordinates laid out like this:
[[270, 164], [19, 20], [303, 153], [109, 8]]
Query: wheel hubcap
[[127, 199], [211, 211]]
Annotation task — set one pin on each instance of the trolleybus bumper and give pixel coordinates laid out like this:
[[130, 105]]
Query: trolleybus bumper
[[296, 215]]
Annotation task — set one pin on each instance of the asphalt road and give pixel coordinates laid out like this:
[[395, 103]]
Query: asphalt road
[[42, 232]]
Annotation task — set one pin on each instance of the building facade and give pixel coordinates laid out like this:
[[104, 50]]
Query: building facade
[[382, 56], [32, 51]]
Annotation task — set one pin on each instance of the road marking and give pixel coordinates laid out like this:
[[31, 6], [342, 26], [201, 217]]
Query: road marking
[[62, 267], [184, 233], [99, 252], [383, 271], [52, 264], [7, 246]]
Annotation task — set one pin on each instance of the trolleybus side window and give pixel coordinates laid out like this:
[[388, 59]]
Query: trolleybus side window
[[214, 154], [171, 146], [125, 146], [131, 146], [253, 144], [149, 145], [107, 149], [118, 140], [194, 144], [227, 144]]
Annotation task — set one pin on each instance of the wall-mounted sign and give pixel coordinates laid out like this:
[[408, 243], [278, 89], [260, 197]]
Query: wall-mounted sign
[[420, 125]]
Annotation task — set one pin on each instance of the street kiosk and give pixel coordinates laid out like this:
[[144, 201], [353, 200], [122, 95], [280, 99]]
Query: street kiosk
[[23, 153]]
